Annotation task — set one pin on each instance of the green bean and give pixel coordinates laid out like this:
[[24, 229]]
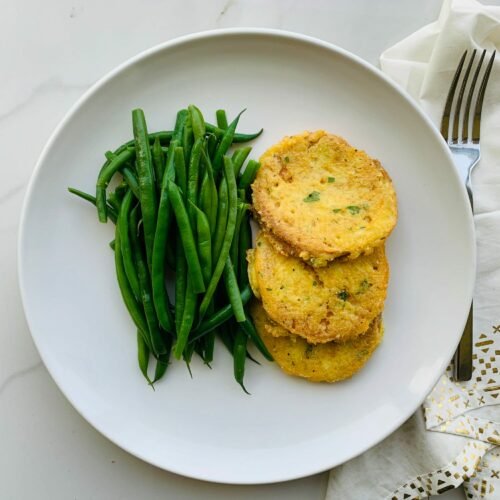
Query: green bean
[[221, 119], [157, 342], [121, 191], [245, 243], [187, 355], [180, 123], [146, 182], [248, 175], [239, 157], [209, 201], [187, 138], [197, 122], [193, 178], [205, 195], [204, 243], [220, 226], [163, 135], [180, 170], [180, 283], [158, 162], [161, 246], [240, 356], [233, 292], [187, 237], [234, 251], [131, 180], [212, 143], [91, 199], [237, 137], [167, 209], [143, 357], [226, 336], [126, 249], [228, 237], [103, 180], [225, 143], [187, 319], [114, 202], [220, 316], [131, 304], [248, 327], [209, 346], [163, 361]]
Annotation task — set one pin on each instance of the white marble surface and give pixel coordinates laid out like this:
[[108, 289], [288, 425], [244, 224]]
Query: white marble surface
[[51, 52]]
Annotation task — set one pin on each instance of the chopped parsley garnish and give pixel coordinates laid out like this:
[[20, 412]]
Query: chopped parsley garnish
[[287, 160], [353, 209], [309, 350], [364, 286], [336, 210], [315, 283], [343, 295], [269, 289], [314, 196], [331, 179]]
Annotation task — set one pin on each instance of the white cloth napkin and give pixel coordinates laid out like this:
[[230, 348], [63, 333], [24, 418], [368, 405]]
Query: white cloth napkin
[[453, 441]]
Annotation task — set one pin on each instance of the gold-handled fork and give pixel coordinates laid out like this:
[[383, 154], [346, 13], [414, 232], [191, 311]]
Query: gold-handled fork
[[462, 137]]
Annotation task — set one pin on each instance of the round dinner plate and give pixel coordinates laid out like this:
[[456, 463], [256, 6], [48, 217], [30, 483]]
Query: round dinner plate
[[206, 427]]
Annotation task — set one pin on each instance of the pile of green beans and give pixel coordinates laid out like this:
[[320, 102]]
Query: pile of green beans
[[181, 211]]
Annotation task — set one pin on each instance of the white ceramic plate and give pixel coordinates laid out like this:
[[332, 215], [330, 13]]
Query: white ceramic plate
[[206, 427]]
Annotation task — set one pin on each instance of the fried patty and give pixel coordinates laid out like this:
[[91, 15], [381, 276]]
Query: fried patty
[[334, 302], [322, 198], [328, 362]]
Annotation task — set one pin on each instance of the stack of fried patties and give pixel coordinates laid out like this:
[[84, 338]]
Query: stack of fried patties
[[319, 267]]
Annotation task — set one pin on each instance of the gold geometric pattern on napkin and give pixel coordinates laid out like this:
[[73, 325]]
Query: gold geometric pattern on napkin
[[448, 409], [447, 478], [450, 399]]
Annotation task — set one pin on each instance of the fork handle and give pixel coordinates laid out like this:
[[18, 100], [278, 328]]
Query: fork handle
[[463, 355]]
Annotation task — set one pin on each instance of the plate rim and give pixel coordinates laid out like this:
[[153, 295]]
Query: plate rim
[[279, 476]]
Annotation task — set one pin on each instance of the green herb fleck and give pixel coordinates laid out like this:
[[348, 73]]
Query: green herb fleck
[[343, 295], [314, 196], [287, 160], [331, 179], [364, 286], [336, 210], [362, 354], [315, 283], [269, 289], [353, 209], [309, 350]]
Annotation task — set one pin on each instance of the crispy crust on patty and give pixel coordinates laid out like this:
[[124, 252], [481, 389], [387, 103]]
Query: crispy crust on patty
[[322, 198], [328, 362], [335, 302]]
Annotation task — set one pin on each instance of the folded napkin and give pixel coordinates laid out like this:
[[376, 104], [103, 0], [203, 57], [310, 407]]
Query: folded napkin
[[453, 441]]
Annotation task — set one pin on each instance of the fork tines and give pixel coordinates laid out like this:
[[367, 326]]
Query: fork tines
[[455, 109]]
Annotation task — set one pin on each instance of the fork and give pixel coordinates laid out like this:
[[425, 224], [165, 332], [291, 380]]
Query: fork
[[463, 140]]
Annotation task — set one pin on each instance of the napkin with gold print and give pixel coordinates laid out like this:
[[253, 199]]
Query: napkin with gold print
[[454, 441]]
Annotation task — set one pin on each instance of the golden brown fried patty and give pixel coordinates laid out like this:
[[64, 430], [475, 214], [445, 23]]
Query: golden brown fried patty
[[323, 198], [328, 362], [335, 302]]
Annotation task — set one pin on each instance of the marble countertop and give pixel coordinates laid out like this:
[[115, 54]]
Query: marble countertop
[[52, 52]]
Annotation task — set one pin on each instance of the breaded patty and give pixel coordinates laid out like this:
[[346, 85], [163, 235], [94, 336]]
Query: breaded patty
[[334, 302], [323, 198], [328, 362]]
